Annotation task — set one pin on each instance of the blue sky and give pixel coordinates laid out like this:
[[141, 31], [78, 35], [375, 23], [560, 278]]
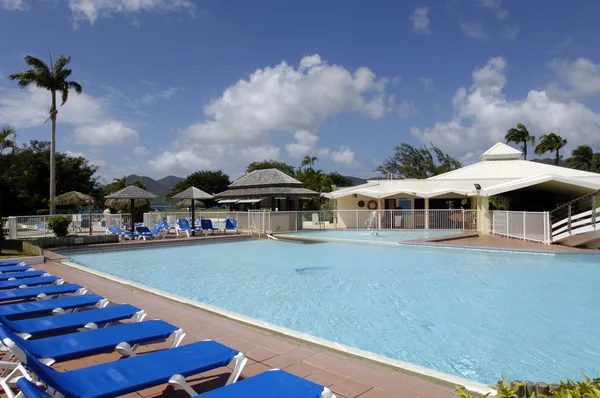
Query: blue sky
[[174, 86]]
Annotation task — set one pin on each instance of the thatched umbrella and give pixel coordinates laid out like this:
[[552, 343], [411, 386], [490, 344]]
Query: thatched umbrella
[[193, 194], [75, 198], [132, 193]]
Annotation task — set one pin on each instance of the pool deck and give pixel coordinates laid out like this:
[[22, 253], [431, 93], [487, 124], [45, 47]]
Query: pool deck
[[346, 377]]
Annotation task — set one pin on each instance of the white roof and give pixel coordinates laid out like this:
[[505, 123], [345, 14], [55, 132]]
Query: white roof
[[499, 171], [501, 151]]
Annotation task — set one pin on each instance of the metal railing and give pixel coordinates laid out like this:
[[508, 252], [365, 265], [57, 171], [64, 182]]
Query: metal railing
[[525, 225], [576, 217], [22, 227]]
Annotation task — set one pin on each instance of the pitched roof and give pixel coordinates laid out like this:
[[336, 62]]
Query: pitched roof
[[266, 191], [501, 151], [265, 177], [132, 192], [192, 193]]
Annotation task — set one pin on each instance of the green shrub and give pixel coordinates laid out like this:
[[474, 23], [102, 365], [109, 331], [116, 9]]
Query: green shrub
[[1, 235], [571, 389], [59, 225]]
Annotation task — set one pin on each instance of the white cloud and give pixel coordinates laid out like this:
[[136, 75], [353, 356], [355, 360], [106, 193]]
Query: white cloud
[[406, 109], [28, 107], [428, 84], [420, 20], [91, 10], [75, 154], [581, 77], [483, 114], [305, 142], [277, 100], [511, 33], [13, 5], [141, 151], [165, 94], [496, 6], [344, 156], [113, 132], [473, 29]]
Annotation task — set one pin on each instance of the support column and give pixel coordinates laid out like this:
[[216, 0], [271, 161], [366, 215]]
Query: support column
[[379, 211], [426, 213], [483, 213]]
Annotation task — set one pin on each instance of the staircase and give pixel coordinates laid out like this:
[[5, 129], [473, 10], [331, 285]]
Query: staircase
[[577, 223]]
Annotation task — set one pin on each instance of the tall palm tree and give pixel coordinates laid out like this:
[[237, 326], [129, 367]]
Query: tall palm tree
[[7, 138], [118, 184], [551, 143], [518, 136], [54, 79], [582, 156], [309, 161]]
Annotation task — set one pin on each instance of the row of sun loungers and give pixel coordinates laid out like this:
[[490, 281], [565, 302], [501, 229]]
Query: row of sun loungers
[[161, 229], [44, 320]]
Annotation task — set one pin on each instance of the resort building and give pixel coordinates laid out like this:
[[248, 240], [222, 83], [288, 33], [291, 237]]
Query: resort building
[[515, 184], [269, 188]]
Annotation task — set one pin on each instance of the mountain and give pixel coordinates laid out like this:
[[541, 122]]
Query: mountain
[[561, 163], [157, 187], [356, 180]]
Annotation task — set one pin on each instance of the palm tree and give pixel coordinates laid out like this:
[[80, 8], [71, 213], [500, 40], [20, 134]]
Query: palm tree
[[581, 156], [7, 138], [118, 184], [309, 161], [551, 143], [53, 79], [518, 136]]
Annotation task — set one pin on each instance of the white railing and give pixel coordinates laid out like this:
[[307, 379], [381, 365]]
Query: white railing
[[20, 227], [525, 225], [579, 216]]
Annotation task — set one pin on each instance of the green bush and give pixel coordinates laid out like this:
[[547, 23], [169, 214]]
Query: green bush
[[589, 388], [1, 235], [59, 225]]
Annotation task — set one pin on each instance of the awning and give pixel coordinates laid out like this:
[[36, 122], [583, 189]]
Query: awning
[[250, 200], [280, 197], [305, 198], [228, 201]]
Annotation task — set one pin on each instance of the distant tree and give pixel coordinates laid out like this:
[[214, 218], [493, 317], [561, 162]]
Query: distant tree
[[582, 157], [118, 184], [551, 143], [209, 181], [7, 139], [25, 184], [596, 163], [54, 79], [520, 135], [339, 180], [409, 161], [309, 161], [272, 164]]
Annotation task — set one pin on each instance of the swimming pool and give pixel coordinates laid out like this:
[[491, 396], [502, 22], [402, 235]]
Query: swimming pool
[[379, 236], [476, 314]]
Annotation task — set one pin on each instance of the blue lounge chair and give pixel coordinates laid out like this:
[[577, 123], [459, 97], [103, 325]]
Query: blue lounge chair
[[90, 319], [230, 224], [114, 230], [271, 384], [9, 263], [59, 305], [132, 374], [22, 275], [184, 225], [30, 390], [42, 280], [15, 268], [155, 233], [208, 226], [41, 292], [121, 338], [167, 227]]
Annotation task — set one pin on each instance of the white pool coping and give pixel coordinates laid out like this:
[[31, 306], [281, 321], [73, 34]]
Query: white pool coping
[[470, 385]]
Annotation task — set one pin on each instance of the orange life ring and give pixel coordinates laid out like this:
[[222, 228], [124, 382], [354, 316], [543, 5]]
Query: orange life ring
[[372, 205]]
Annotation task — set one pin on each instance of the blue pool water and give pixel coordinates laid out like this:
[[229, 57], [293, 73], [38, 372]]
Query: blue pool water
[[380, 236], [476, 314]]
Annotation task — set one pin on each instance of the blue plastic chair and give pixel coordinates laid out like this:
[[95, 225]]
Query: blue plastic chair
[[90, 319], [271, 384], [230, 224], [15, 268], [208, 226], [184, 225], [40, 292], [30, 390], [132, 374], [113, 229], [22, 275], [36, 308], [9, 263], [42, 280], [145, 232]]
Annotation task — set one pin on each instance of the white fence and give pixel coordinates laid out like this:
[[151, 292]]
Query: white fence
[[288, 221], [37, 226], [525, 225]]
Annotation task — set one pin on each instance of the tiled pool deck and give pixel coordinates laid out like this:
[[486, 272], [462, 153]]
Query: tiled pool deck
[[346, 377]]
